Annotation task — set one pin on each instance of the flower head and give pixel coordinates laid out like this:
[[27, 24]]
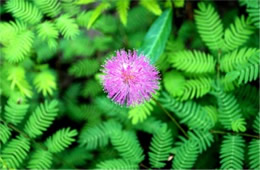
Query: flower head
[[130, 79]]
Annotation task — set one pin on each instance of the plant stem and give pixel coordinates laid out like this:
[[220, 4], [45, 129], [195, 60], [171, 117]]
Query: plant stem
[[242, 134], [144, 166], [172, 118]]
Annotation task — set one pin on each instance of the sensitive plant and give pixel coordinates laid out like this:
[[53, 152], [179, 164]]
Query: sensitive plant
[[199, 107]]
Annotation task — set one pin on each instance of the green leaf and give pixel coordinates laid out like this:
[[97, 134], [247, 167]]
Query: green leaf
[[157, 36], [97, 12], [84, 2], [122, 9], [152, 5]]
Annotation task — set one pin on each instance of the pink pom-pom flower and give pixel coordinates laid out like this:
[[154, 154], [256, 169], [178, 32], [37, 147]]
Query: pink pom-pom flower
[[129, 78]]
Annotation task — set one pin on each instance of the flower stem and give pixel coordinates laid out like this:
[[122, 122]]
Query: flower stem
[[172, 118]]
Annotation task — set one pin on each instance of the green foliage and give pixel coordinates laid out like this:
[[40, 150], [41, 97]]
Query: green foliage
[[127, 144], [5, 133], [16, 75], [174, 83], [246, 73], [40, 159], [91, 88], [50, 7], [122, 8], [152, 5], [84, 67], [15, 109], [186, 155], [98, 136], [141, 112], [17, 41], [160, 147], [41, 118], [67, 26], [97, 12], [256, 126], [15, 152], [189, 112], [157, 36], [239, 57], [209, 26], [252, 8], [45, 82], [24, 10], [254, 153], [61, 140], [117, 164], [47, 31], [203, 138], [238, 33], [208, 57], [193, 62], [229, 111], [232, 152]]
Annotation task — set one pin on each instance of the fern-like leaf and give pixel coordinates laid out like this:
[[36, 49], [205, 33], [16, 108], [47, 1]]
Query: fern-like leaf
[[254, 154], [193, 62], [160, 147], [15, 152], [230, 61], [15, 109], [61, 140], [189, 112], [16, 75], [186, 155], [229, 111], [152, 5], [24, 10], [196, 88], [47, 31], [237, 34], [41, 118], [246, 73], [49, 7], [91, 88], [254, 15], [202, 137], [209, 26], [67, 26], [86, 67], [40, 159], [256, 123], [150, 125], [122, 9], [232, 152], [45, 82], [117, 164], [141, 112], [17, 41], [128, 146], [5, 133], [97, 136]]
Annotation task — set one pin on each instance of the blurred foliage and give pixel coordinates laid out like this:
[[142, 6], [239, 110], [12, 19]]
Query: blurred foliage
[[54, 114]]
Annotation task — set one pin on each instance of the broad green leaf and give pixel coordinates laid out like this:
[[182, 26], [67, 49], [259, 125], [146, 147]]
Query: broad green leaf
[[157, 36]]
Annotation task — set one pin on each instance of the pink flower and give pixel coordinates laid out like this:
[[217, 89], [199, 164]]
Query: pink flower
[[130, 79]]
